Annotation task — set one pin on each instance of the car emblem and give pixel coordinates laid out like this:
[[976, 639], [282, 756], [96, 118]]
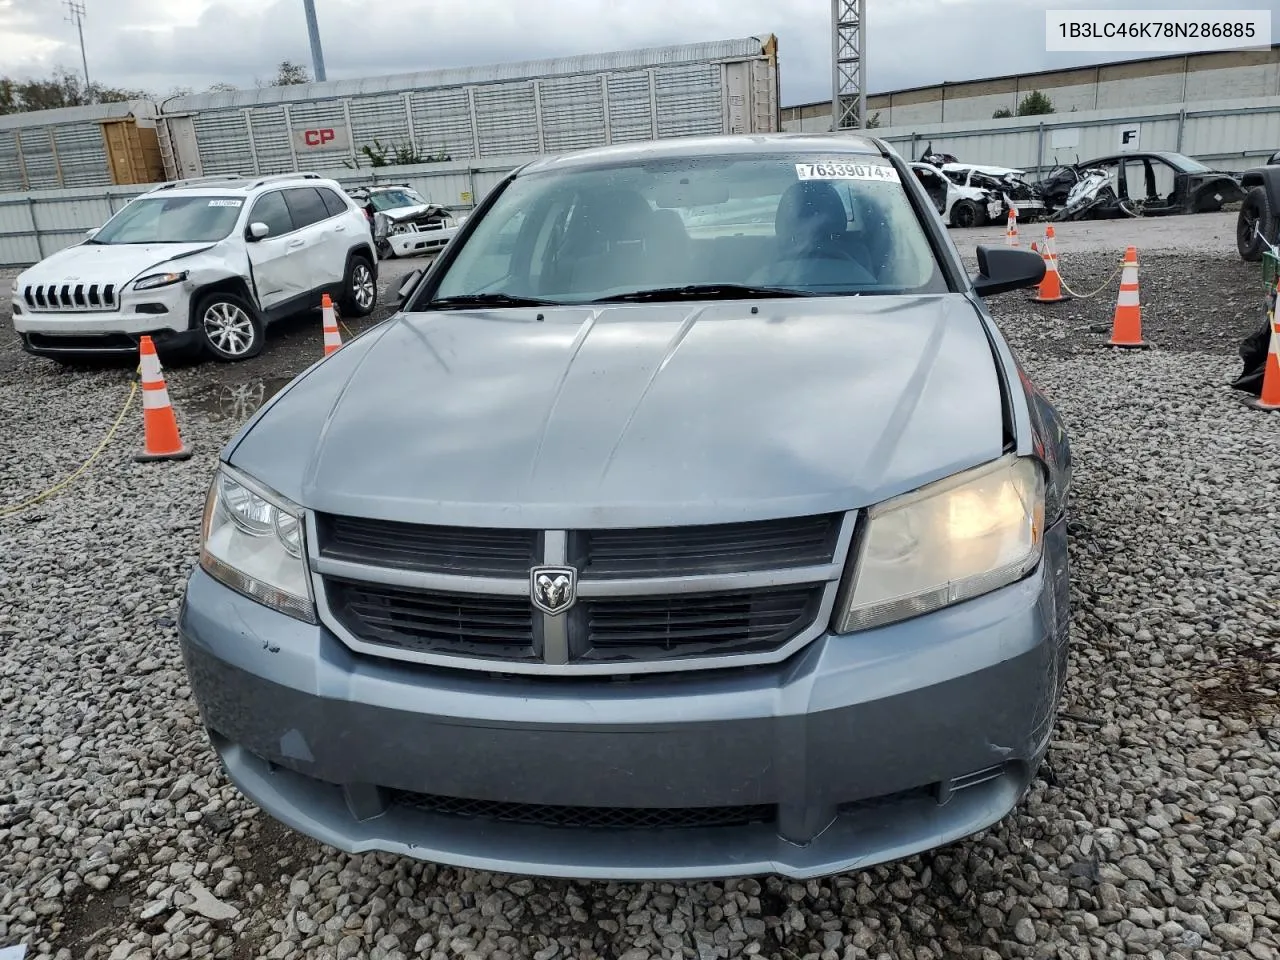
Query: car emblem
[[553, 590]]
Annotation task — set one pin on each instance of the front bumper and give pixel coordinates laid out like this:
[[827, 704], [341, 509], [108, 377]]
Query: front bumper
[[857, 751], [418, 242], [106, 331]]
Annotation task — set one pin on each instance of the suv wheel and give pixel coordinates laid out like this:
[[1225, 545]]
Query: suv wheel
[[1255, 214], [229, 327], [360, 290]]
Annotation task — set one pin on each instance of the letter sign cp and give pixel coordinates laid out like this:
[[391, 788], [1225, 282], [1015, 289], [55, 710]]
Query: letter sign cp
[[318, 138]]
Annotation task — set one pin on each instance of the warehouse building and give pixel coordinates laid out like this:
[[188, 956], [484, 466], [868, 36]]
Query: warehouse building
[[1126, 84]]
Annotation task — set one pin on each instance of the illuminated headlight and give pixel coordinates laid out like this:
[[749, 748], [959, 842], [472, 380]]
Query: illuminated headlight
[[159, 280], [253, 542], [950, 541]]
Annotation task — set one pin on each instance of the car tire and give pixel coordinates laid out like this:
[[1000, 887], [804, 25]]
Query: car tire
[[965, 214], [359, 288], [1255, 211], [230, 328]]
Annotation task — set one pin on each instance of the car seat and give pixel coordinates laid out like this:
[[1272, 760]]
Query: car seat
[[606, 242], [811, 234]]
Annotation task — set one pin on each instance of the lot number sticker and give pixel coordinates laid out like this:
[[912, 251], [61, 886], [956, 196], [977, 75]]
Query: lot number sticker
[[224, 203], [846, 171]]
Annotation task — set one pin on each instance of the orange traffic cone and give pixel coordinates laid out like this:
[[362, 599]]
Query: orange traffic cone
[[1051, 286], [1126, 326], [160, 426], [1270, 396], [332, 339], [1011, 230]]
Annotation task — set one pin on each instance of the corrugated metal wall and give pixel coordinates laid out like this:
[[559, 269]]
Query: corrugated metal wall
[[34, 225], [51, 149], [546, 114]]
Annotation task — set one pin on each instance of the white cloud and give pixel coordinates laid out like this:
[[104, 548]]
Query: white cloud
[[158, 45]]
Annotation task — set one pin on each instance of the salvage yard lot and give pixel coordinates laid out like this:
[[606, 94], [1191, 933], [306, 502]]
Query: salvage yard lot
[[1153, 829]]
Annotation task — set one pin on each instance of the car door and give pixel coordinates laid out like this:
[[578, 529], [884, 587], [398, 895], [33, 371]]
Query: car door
[[279, 268], [324, 264]]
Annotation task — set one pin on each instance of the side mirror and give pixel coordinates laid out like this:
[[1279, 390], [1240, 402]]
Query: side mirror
[[407, 286], [92, 232], [258, 230], [1001, 269]]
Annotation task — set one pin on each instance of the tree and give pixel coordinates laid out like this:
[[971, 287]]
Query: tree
[[1003, 113], [288, 74], [874, 121], [1035, 104], [63, 89]]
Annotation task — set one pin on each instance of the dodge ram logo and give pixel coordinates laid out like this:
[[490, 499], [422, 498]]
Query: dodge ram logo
[[553, 589]]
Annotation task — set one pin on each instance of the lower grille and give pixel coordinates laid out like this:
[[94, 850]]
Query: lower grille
[[417, 621], [599, 818], [83, 343]]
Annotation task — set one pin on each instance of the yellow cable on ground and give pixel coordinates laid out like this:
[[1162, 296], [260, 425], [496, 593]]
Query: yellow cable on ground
[[18, 508], [1086, 296]]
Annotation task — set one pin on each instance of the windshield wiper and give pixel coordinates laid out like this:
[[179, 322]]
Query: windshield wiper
[[489, 300], [702, 291]]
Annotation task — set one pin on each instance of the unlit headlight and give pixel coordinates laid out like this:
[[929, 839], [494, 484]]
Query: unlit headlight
[[253, 542], [950, 541]]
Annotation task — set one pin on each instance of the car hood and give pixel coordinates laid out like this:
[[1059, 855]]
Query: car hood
[[116, 263], [635, 414]]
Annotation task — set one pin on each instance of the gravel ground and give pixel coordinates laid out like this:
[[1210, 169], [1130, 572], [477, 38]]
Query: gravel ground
[[1152, 831]]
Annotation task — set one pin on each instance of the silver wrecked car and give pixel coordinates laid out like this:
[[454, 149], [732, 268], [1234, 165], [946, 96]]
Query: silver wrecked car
[[690, 519]]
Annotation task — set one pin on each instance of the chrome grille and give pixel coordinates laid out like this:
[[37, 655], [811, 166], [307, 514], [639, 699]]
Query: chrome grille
[[647, 599], [76, 297]]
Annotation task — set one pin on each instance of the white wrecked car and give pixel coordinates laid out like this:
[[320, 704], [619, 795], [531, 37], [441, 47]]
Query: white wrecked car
[[959, 204], [403, 223]]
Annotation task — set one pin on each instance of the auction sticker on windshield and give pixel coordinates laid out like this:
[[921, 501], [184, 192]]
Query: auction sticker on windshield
[[847, 171], [224, 203]]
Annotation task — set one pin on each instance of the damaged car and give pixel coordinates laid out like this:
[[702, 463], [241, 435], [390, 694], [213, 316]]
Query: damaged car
[[958, 205], [404, 224], [1156, 183], [1005, 185]]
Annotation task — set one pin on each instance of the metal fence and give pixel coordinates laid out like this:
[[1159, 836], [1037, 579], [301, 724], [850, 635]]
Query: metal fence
[[34, 225], [1231, 135]]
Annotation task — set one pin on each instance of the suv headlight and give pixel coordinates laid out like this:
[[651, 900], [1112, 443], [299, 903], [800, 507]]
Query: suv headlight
[[159, 280], [950, 541], [253, 541]]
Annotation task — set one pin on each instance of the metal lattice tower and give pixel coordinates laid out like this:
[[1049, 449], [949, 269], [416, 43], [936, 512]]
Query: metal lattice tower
[[848, 66]]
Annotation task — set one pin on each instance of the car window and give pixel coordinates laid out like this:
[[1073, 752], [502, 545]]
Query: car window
[[332, 202], [270, 209], [394, 199], [305, 206], [187, 219], [817, 225]]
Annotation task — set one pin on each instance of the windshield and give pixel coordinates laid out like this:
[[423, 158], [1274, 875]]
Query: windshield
[[394, 199], [829, 225], [172, 220], [1186, 164]]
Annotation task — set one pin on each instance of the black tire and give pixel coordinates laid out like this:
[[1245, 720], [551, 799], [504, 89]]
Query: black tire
[[966, 213], [230, 328], [359, 288], [1256, 211]]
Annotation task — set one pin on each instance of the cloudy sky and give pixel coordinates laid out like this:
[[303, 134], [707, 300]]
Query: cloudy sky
[[158, 45]]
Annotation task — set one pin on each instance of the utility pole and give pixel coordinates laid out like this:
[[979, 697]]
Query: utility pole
[[76, 15], [848, 64], [313, 28]]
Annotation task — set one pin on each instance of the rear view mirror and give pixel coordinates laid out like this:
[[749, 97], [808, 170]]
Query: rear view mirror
[[92, 232], [1001, 269], [258, 230]]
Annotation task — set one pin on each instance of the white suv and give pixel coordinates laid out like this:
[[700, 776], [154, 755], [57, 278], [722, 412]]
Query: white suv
[[204, 263]]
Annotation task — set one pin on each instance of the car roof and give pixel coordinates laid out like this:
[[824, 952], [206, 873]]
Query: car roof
[[691, 147], [235, 185]]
